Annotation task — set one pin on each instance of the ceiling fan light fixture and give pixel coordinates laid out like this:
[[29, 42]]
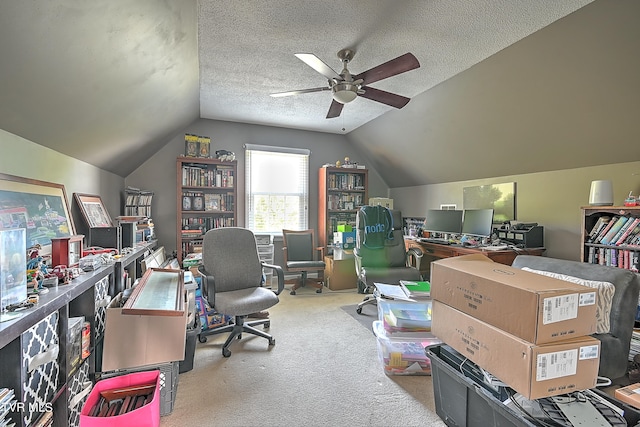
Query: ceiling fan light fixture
[[344, 92]]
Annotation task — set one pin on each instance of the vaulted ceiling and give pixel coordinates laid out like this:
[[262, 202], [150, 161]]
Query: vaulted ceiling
[[111, 81]]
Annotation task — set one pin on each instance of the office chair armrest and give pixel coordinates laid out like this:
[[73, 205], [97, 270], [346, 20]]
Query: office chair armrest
[[320, 249], [278, 270], [207, 280], [416, 255]]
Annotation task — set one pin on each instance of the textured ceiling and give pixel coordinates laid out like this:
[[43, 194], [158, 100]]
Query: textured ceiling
[[111, 81], [246, 51]]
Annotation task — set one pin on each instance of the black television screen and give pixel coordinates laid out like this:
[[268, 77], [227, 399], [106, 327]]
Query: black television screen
[[477, 222], [499, 197], [443, 221]]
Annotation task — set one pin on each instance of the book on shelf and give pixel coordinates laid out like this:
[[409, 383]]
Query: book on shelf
[[600, 224], [628, 229], [626, 223], [619, 223], [605, 230]]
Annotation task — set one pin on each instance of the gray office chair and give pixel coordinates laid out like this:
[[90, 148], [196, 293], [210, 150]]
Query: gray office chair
[[301, 255], [386, 261], [232, 282]]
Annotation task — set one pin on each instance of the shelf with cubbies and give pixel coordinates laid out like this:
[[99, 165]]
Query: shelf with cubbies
[[342, 191], [206, 199], [137, 202], [611, 236]]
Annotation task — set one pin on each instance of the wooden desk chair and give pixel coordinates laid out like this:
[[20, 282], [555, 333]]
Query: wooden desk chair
[[301, 255]]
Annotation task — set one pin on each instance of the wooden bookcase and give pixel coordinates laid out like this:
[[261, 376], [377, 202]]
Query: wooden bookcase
[[342, 191], [623, 254], [206, 199]]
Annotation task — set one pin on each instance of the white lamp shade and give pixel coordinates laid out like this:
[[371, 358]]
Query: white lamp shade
[[601, 193]]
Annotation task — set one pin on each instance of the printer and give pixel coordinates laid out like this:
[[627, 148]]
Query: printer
[[527, 235]]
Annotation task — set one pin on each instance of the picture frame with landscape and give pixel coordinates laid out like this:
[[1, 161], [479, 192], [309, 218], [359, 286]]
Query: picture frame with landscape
[[40, 207], [93, 210]]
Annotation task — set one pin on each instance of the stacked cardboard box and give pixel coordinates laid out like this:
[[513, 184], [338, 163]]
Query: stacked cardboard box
[[530, 331]]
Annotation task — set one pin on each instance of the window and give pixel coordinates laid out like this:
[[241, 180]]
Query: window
[[277, 188]]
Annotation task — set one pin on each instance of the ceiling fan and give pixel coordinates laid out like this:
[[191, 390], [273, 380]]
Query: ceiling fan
[[345, 87]]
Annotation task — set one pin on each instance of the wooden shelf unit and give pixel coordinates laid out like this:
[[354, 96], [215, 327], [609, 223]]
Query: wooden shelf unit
[[623, 255], [341, 193], [210, 186], [42, 378]]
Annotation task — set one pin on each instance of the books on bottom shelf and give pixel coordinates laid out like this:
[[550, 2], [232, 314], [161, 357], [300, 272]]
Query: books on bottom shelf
[[635, 344], [614, 257]]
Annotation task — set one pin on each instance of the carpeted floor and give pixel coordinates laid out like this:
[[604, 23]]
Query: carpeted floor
[[323, 371]]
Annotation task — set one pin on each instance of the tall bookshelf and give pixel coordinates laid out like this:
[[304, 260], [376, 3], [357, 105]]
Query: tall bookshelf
[[206, 199], [617, 249], [342, 191]]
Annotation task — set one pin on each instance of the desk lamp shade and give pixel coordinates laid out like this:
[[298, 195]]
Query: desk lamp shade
[[601, 193]]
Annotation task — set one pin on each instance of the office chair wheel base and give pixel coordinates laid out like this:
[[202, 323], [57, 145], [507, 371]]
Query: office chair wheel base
[[202, 338], [272, 341], [226, 352], [319, 291], [267, 325], [292, 293], [359, 310]]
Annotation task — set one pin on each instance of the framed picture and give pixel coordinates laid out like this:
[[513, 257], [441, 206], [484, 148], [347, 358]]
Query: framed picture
[[186, 203], [39, 207], [204, 146], [190, 145], [198, 203], [93, 210]]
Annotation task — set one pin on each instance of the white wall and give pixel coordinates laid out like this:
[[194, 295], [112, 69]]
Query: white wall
[[21, 157], [552, 199]]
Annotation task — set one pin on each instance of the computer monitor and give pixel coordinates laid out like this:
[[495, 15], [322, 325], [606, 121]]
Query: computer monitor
[[477, 222], [443, 221]]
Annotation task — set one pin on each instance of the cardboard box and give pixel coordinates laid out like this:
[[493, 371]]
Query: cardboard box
[[340, 274], [536, 308], [132, 340], [344, 239], [629, 394], [533, 370]]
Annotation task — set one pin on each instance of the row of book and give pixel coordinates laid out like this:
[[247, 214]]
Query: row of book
[[196, 201], [621, 258], [200, 225], [138, 202], [635, 344], [346, 181], [346, 201], [201, 176], [615, 231]]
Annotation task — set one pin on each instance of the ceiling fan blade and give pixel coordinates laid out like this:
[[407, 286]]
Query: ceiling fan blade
[[298, 92], [314, 62], [399, 65], [335, 109], [385, 97]]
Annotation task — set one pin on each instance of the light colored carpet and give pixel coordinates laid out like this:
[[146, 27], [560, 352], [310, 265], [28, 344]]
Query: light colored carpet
[[323, 371]]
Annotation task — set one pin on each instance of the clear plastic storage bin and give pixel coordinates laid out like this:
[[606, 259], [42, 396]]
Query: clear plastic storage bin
[[402, 355]]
